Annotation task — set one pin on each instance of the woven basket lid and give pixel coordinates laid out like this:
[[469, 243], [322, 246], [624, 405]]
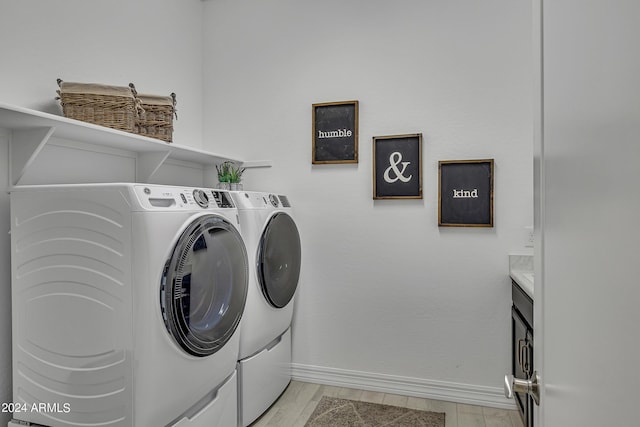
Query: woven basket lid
[[155, 99], [95, 89]]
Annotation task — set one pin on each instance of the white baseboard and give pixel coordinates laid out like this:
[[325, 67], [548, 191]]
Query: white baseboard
[[407, 386]]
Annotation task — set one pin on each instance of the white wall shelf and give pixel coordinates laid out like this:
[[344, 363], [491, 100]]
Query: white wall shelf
[[32, 130]]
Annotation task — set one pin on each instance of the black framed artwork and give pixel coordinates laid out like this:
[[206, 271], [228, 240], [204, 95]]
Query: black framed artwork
[[465, 194], [335, 132], [397, 166]]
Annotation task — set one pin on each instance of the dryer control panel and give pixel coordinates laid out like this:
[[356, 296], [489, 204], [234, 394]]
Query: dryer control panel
[[258, 200]]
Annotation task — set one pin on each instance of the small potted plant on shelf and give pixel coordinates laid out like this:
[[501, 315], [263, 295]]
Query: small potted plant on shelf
[[235, 177], [224, 175], [229, 176]]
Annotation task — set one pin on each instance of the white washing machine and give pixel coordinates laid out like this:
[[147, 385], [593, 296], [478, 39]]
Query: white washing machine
[[126, 304], [273, 247]]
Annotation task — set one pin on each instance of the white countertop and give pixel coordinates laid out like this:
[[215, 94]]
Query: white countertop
[[521, 271]]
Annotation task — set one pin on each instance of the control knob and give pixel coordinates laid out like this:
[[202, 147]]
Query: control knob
[[201, 198]]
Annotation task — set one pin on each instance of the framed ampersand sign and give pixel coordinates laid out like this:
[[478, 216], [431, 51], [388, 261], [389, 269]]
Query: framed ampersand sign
[[397, 166]]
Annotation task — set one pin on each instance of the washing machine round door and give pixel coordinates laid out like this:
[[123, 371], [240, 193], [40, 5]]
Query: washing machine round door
[[204, 285], [279, 258]]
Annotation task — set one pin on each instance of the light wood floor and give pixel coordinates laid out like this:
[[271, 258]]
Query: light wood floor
[[299, 400]]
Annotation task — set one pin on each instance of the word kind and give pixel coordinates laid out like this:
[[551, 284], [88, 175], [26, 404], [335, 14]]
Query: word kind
[[340, 133], [465, 194]]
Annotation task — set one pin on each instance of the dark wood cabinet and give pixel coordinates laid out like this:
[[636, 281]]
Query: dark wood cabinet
[[522, 347]]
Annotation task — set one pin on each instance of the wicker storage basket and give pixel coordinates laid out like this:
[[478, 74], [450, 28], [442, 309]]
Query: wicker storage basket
[[157, 119], [111, 106]]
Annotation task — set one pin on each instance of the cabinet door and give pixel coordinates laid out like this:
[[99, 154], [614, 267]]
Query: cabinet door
[[522, 361]]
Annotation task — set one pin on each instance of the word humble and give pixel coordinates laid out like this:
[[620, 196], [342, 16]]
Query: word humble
[[465, 194], [340, 133]]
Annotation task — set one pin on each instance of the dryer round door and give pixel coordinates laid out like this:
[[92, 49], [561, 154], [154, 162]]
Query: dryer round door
[[279, 259], [204, 285]]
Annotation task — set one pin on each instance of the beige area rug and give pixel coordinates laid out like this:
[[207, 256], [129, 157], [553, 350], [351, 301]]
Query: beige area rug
[[334, 412]]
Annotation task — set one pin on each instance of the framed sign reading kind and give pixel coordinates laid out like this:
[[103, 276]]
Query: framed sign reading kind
[[335, 132], [397, 167], [465, 196]]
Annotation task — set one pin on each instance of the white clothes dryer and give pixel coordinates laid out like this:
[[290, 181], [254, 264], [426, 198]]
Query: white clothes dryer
[[273, 247], [126, 304]]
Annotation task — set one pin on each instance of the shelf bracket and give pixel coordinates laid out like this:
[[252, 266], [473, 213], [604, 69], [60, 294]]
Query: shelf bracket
[[25, 146], [148, 163], [257, 164]]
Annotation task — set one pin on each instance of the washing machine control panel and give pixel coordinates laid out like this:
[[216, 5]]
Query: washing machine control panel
[[166, 197]]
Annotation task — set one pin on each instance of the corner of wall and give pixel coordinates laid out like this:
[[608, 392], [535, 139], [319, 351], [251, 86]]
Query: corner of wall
[[5, 278]]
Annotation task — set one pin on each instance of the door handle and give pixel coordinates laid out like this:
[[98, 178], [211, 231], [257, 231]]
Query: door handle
[[531, 386]]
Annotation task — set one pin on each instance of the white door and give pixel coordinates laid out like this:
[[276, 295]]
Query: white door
[[587, 213]]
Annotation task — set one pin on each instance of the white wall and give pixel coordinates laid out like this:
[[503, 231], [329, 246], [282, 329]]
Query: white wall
[[155, 44], [384, 291]]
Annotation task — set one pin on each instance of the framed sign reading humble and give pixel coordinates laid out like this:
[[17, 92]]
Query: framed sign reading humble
[[465, 196], [335, 132], [397, 167]]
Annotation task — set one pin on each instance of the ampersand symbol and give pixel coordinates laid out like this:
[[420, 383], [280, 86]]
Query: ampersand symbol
[[394, 160]]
